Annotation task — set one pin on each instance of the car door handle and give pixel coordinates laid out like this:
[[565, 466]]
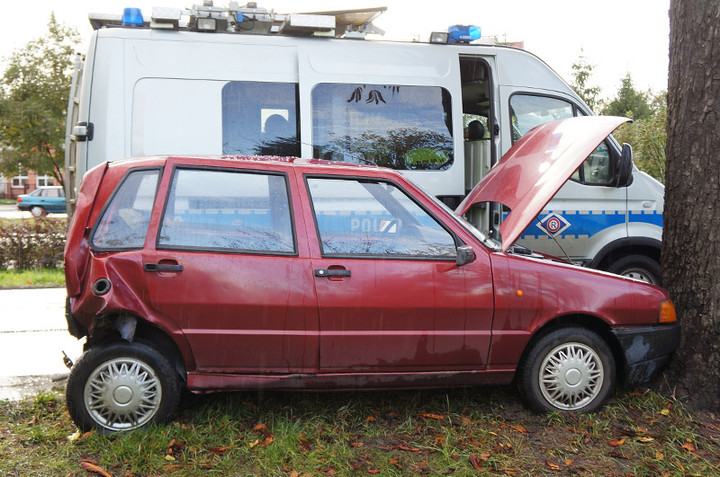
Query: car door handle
[[324, 272], [162, 267]]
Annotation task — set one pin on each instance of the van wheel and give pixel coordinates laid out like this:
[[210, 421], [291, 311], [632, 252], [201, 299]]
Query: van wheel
[[121, 386], [640, 267], [37, 211], [568, 369]]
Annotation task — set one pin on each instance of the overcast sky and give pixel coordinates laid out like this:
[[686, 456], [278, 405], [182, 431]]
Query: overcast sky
[[617, 36]]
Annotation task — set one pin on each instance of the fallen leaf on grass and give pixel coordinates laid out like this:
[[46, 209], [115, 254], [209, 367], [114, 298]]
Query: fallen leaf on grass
[[665, 412], [617, 443], [645, 439], [396, 462], [689, 446], [92, 466], [659, 456], [169, 457], [432, 416], [260, 427], [294, 473], [406, 448], [551, 465], [221, 450], [373, 471], [476, 462], [519, 428], [356, 444]]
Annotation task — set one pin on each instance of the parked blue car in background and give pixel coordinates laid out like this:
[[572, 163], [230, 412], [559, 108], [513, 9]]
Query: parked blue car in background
[[43, 201]]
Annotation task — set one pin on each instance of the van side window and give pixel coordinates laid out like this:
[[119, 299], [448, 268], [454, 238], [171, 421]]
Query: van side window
[[396, 126], [227, 211], [124, 223], [375, 218], [528, 111], [260, 118]]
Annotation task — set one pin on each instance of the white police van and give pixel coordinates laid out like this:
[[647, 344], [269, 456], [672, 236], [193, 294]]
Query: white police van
[[245, 80]]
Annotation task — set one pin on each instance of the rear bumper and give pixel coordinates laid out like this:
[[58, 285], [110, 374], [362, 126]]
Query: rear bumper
[[647, 350], [74, 327]]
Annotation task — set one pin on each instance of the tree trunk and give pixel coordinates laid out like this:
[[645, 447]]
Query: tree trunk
[[691, 238]]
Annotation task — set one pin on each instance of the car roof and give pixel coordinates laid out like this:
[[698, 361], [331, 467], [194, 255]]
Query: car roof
[[250, 160]]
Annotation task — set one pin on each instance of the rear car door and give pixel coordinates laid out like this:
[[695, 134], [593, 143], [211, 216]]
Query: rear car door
[[228, 268], [391, 297]]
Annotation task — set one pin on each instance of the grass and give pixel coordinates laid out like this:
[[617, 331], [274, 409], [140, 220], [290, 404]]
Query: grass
[[482, 431], [40, 278]]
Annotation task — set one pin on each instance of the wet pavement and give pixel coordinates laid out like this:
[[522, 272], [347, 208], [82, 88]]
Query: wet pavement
[[33, 335]]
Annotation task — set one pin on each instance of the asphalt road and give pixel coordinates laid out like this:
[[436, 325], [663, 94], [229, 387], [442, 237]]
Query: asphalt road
[[33, 335]]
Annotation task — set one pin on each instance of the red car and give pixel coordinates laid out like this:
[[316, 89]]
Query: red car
[[234, 273]]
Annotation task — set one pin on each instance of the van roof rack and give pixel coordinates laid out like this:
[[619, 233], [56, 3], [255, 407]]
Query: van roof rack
[[248, 19]]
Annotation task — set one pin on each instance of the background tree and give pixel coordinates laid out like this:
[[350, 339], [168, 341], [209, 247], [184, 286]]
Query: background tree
[[648, 137], [33, 102], [691, 242], [629, 102], [581, 73]]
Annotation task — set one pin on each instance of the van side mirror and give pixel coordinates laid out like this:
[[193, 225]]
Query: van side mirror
[[465, 254], [623, 168]]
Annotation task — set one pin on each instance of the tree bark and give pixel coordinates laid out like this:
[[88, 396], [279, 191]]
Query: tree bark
[[691, 237]]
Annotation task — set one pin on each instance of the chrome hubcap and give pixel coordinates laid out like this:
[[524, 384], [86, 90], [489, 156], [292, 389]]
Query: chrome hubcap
[[571, 376], [122, 394]]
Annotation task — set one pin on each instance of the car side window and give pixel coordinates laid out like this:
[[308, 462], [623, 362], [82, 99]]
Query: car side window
[[361, 217], [528, 111], [124, 223], [236, 211]]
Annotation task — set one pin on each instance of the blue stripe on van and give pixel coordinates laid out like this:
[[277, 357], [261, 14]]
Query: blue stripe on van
[[588, 223]]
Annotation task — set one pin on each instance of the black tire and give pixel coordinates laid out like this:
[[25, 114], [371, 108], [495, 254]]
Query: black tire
[[37, 211], [579, 371], [120, 386], [640, 267]]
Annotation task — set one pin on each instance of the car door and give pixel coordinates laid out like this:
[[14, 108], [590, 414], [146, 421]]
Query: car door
[[228, 268], [391, 297]]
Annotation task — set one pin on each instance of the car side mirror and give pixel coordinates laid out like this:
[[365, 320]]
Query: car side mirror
[[623, 168], [465, 254]]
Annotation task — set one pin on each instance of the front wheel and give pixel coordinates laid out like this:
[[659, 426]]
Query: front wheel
[[568, 369], [121, 386]]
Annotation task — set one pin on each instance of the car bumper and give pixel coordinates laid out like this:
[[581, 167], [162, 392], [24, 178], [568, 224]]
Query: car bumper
[[647, 350], [74, 327]]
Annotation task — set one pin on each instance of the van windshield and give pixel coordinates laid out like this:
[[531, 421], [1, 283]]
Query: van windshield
[[401, 127]]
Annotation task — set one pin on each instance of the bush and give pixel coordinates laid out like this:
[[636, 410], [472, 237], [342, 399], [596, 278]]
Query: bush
[[32, 243]]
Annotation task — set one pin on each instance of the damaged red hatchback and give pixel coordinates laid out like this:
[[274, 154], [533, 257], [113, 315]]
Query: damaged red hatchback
[[246, 273]]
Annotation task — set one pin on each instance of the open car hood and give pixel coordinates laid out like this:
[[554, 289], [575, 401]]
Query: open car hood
[[535, 168]]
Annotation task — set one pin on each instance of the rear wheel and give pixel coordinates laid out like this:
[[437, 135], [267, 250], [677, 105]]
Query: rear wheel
[[37, 211], [568, 369], [639, 267], [121, 386]]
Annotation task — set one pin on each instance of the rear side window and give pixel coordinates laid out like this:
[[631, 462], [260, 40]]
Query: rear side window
[[228, 211], [401, 127], [124, 223], [374, 218]]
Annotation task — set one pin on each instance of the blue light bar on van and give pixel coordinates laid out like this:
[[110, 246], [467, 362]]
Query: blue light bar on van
[[132, 17], [463, 33]]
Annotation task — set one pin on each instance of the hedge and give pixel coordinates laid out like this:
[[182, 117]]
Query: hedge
[[32, 243]]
